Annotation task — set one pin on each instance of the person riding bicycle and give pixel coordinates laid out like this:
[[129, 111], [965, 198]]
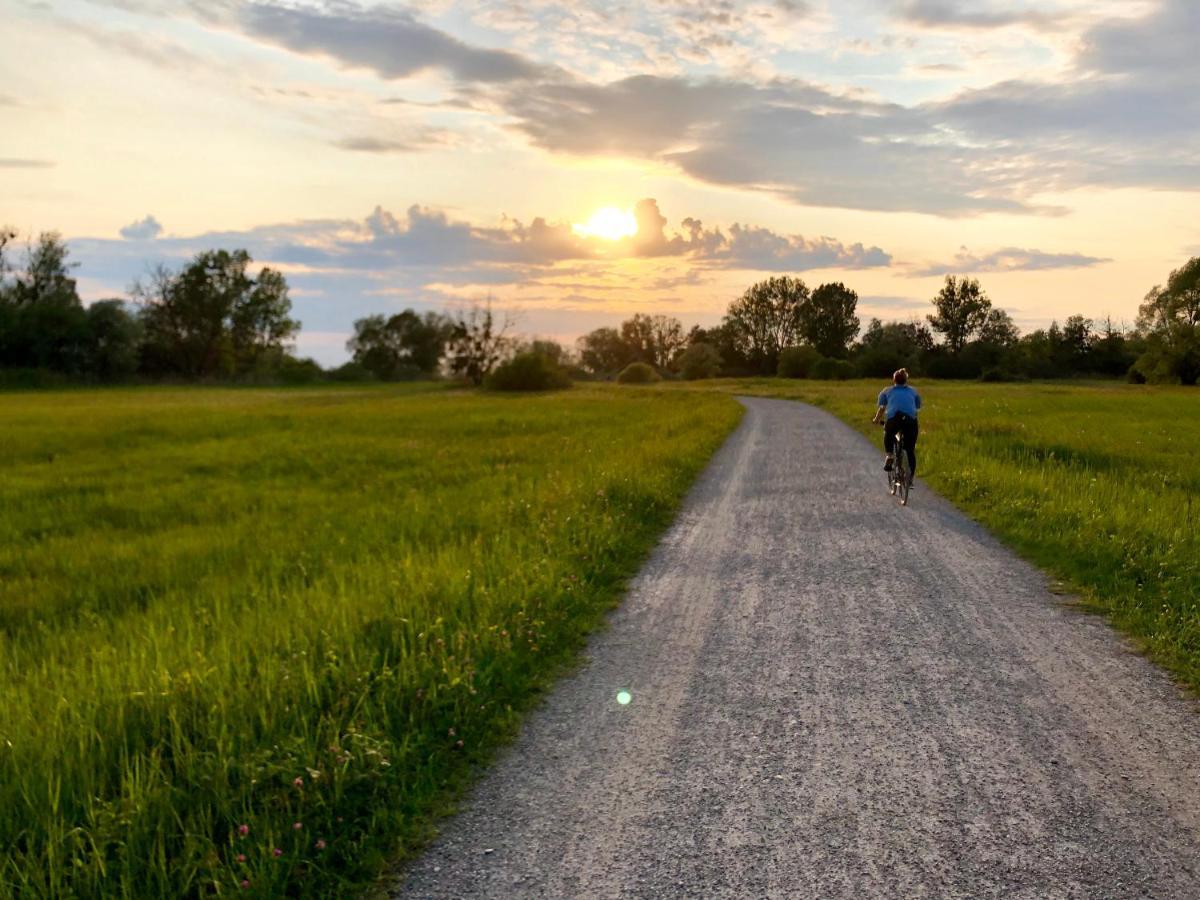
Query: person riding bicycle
[[898, 407]]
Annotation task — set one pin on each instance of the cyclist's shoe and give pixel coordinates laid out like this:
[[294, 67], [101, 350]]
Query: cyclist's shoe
[[888, 463]]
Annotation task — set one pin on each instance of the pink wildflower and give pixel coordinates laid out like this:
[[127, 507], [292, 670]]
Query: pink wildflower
[[278, 852], [298, 782], [298, 826], [243, 830], [241, 857], [320, 844], [245, 884]]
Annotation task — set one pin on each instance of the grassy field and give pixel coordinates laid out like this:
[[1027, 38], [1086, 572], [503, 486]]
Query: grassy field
[[251, 640], [1099, 484]]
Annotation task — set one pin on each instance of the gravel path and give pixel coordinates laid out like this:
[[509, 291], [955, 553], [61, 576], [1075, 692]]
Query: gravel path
[[836, 697]]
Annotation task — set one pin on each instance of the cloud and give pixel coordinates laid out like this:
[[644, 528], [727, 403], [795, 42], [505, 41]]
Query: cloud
[[146, 229], [977, 15], [11, 163], [1008, 259], [789, 138], [416, 142], [392, 43]]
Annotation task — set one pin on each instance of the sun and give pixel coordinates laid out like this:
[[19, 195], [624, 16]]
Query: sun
[[609, 224]]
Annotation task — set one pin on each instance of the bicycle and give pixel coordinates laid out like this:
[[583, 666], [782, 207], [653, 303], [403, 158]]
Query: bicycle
[[899, 477]]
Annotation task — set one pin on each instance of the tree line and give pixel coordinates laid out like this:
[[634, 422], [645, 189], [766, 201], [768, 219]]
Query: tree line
[[213, 318]]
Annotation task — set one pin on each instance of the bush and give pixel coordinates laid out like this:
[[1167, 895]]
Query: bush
[[638, 373], [351, 371], [1135, 375], [996, 374], [833, 369], [881, 362], [300, 371], [698, 361], [798, 362], [527, 372]]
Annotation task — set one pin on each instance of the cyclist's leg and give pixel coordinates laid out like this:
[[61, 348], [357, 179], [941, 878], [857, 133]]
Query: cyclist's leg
[[911, 431]]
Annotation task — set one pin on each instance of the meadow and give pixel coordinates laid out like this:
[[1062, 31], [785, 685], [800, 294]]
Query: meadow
[[252, 641], [1096, 483]]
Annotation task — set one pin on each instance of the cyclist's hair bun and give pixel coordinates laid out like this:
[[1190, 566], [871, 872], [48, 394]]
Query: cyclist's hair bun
[[900, 376]]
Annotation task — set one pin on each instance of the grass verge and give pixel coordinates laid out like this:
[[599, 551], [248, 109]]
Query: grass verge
[[251, 641]]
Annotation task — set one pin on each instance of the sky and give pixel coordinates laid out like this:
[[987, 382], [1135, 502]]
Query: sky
[[434, 153]]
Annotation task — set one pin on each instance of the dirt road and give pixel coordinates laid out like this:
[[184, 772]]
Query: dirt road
[[832, 696]]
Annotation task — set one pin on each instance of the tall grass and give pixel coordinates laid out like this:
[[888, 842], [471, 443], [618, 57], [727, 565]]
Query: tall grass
[[1098, 484], [251, 640]]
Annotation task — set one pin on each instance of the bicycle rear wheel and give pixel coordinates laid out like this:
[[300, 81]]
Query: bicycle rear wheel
[[903, 476]]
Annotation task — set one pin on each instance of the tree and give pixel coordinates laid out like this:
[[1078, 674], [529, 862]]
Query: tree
[[1075, 344], [212, 318], [42, 322], [722, 338], [827, 319], [999, 330], [1170, 319], [405, 345], [603, 352], [766, 319], [46, 280], [884, 348], [112, 341], [962, 309], [653, 340], [699, 360], [7, 235], [477, 342]]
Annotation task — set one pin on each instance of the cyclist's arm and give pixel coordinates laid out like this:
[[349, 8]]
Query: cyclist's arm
[[879, 415]]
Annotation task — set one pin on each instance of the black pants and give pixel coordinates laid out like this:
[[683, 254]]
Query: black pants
[[907, 426]]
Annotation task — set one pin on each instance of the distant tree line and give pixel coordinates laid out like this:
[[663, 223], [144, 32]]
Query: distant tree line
[[210, 319], [214, 319]]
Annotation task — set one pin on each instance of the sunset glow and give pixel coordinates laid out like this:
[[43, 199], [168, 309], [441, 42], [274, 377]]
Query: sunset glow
[[880, 144], [609, 224]]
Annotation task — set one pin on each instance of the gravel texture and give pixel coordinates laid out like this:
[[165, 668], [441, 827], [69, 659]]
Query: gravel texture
[[833, 696]]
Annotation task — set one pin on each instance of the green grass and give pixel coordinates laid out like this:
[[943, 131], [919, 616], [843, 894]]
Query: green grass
[[1099, 484], [225, 608]]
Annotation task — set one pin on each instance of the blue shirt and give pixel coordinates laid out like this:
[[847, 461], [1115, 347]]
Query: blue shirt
[[900, 398]]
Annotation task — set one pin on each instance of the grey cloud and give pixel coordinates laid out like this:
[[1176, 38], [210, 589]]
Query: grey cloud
[[392, 43], [16, 163], [751, 247], [418, 141], [146, 229], [976, 15], [423, 246], [1009, 259], [787, 137], [1127, 117]]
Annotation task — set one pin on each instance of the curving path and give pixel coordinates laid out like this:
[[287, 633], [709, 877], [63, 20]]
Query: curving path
[[836, 697]]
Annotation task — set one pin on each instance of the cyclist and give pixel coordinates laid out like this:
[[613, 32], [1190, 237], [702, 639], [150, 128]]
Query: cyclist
[[898, 407]]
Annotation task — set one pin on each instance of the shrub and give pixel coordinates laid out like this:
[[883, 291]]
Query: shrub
[[300, 371], [996, 374], [698, 361], [527, 372], [351, 371], [798, 362], [881, 362], [638, 373], [833, 369], [1135, 375]]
